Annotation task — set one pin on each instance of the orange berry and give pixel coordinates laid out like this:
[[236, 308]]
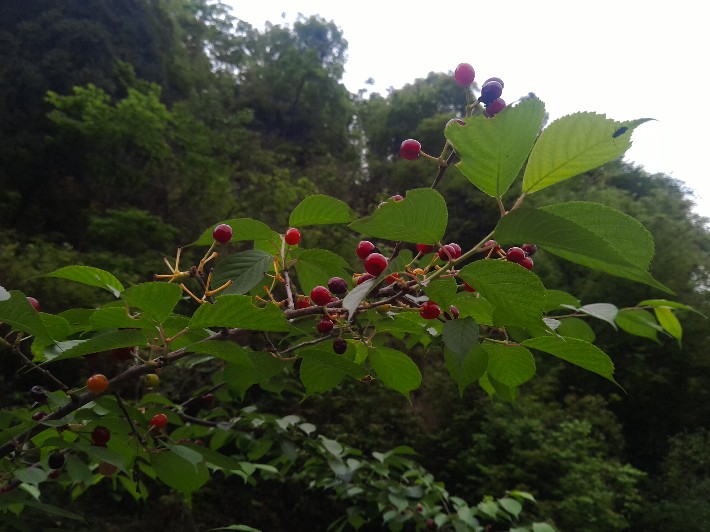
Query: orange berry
[[97, 384]]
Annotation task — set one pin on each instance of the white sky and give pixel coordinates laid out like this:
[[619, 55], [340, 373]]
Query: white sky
[[623, 58]]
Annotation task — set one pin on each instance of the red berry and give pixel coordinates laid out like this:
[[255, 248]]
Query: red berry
[[457, 249], [425, 248], [529, 249], [39, 416], [32, 301], [337, 285], [54, 474], [429, 310], [391, 278], [364, 277], [515, 254], [107, 469], [431, 525], [490, 91], [494, 79], [446, 251], [397, 197], [468, 287], [457, 121], [97, 384], [410, 149], [454, 311], [207, 400], [122, 353], [222, 233], [364, 248], [100, 436], [320, 295], [292, 236], [159, 421], [495, 107], [527, 262], [464, 74], [375, 263], [340, 346], [325, 326], [303, 302]]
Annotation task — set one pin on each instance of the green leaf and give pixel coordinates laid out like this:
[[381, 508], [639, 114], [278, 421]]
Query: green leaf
[[17, 312], [441, 291], [114, 317], [395, 369], [602, 311], [571, 241], [460, 336], [638, 322], [669, 304], [555, 299], [493, 151], [669, 322], [421, 217], [475, 306], [511, 506], [577, 352], [155, 300], [90, 276], [246, 368], [246, 269], [576, 328], [243, 229], [511, 365], [238, 311], [323, 370], [468, 371], [104, 341], [352, 301], [316, 266], [31, 475], [52, 510], [178, 473], [574, 144], [320, 209], [517, 294]]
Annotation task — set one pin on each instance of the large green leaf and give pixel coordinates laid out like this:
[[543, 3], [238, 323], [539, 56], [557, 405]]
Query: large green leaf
[[421, 217], [17, 312], [669, 322], [320, 209], [493, 151], [577, 352], [460, 336], [155, 300], [441, 291], [316, 266], [475, 306], [467, 371], [517, 294], [178, 473], [511, 365], [246, 367], [117, 318], [90, 276], [576, 328], [574, 144], [239, 312], [395, 369], [322, 370], [243, 229], [638, 322], [104, 341], [568, 239], [246, 269]]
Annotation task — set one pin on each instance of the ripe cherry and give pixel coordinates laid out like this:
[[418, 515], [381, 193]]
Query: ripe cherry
[[337, 285], [364, 248], [490, 91], [464, 74], [159, 421], [529, 249], [494, 79], [292, 236], [454, 312], [364, 277], [515, 254], [303, 302], [429, 310], [425, 248], [397, 197], [32, 301], [527, 263], [446, 251], [207, 400], [39, 416], [97, 384], [222, 233], [375, 263], [320, 295], [56, 460], [457, 249], [340, 346], [410, 149], [495, 107], [100, 436], [325, 326]]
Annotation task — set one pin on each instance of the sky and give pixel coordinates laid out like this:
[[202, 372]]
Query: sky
[[627, 59]]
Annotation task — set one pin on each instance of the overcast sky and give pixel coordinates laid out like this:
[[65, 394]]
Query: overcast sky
[[624, 58]]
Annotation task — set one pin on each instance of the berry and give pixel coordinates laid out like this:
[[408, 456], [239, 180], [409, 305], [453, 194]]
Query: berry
[[292, 236], [303, 302], [100, 436], [320, 295], [337, 285], [529, 249], [464, 74], [340, 346], [97, 384], [457, 121], [425, 248], [495, 107], [431, 525], [375, 263], [397, 197], [515, 255], [122, 353], [446, 251], [457, 249], [454, 312], [527, 262], [39, 416], [429, 310], [222, 233], [325, 326], [55, 460], [364, 277], [490, 91], [54, 474], [38, 394], [107, 469], [391, 278], [207, 400], [151, 380], [494, 79], [468, 287], [32, 301], [159, 421], [410, 149], [364, 248]]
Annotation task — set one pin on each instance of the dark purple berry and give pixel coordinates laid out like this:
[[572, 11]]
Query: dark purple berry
[[325, 326], [340, 346], [38, 394], [494, 79], [529, 249], [490, 91], [527, 262], [56, 460], [515, 254], [337, 285], [222, 233]]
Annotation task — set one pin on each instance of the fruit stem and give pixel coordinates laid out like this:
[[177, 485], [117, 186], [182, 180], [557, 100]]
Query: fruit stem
[[503, 212], [519, 201]]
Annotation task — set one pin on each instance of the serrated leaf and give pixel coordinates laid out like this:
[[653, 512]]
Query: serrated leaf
[[239, 312], [576, 328], [638, 322], [421, 217], [669, 322], [245, 269], [315, 267], [574, 144], [395, 369], [511, 506], [516, 294], [577, 352], [602, 311], [117, 318], [493, 151], [571, 241], [104, 341], [511, 365], [247, 368], [475, 306], [31, 475], [178, 473], [555, 299], [460, 336], [90, 276], [323, 370], [243, 229], [155, 300], [441, 291], [320, 209], [467, 371]]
